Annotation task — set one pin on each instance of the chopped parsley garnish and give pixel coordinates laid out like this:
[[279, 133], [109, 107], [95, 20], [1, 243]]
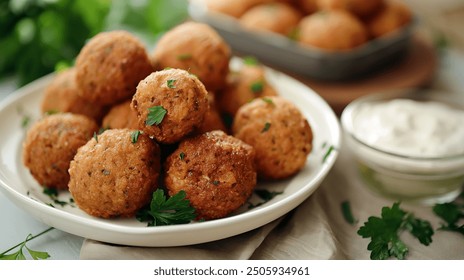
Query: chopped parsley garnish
[[215, 182], [184, 56], [327, 154], [155, 115], [266, 127], [95, 136], [347, 214], [250, 60], [162, 211], [451, 213], [25, 121], [385, 232], [181, 155], [19, 255], [265, 195], [267, 100], [51, 112], [135, 136], [170, 83], [257, 87], [53, 194], [294, 34]]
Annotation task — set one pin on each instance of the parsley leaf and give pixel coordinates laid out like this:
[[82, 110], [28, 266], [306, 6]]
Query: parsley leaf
[[250, 60], [19, 255], [53, 194], [170, 83], [327, 154], [135, 136], [155, 115], [268, 100], [265, 195], [266, 127], [257, 87], [347, 214], [384, 232], [451, 213], [162, 211]]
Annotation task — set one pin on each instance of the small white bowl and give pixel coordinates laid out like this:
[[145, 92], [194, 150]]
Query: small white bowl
[[393, 172]]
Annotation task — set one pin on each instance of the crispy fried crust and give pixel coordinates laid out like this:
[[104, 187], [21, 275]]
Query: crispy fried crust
[[217, 171], [115, 177], [280, 134], [51, 144]]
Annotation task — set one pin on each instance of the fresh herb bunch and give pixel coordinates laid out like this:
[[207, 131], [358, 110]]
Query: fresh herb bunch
[[385, 232], [451, 213], [167, 211], [37, 34]]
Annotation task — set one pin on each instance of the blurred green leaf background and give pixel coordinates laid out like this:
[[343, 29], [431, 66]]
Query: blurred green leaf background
[[38, 36]]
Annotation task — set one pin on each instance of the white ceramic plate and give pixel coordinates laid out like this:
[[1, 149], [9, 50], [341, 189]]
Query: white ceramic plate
[[23, 190]]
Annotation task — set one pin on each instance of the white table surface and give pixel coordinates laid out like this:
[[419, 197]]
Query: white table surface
[[16, 224]]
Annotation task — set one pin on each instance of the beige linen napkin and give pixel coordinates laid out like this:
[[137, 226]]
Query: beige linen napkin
[[315, 230]]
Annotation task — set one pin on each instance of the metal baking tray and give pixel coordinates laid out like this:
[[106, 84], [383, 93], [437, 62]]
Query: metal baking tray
[[284, 54]]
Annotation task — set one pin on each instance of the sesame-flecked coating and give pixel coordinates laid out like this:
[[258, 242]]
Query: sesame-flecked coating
[[197, 48], [280, 134], [51, 144], [113, 177], [216, 170], [332, 30], [181, 94], [109, 67], [62, 95], [121, 116], [242, 87]]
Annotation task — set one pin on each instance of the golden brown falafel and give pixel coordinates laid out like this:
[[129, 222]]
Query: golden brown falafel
[[332, 30], [62, 95], [280, 134], [114, 176], [360, 8], [217, 172], [51, 144], [121, 116], [197, 48], [178, 96], [109, 67], [391, 17]]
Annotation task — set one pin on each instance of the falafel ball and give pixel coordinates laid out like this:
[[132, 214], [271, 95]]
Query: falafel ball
[[280, 134], [170, 104], [242, 87], [393, 16], [332, 30], [275, 17], [197, 48], [62, 95], [234, 8], [360, 8], [51, 144], [121, 116], [216, 170], [307, 6], [109, 67], [114, 176], [212, 120]]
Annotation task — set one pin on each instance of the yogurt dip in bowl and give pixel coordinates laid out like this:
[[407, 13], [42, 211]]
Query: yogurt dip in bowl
[[409, 145]]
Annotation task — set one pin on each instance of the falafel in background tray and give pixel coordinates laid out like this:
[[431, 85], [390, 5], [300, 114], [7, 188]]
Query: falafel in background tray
[[327, 40], [124, 122]]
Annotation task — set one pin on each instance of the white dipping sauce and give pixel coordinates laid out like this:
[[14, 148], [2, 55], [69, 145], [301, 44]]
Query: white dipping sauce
[[411, 128]]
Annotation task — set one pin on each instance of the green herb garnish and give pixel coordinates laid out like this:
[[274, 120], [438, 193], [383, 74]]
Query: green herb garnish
[[25, 121], [267, 100], [385, 232], [265, 195], [184, 56], [451, 213], [19, 255], [51, 112], [53, 194], [327, 154], [155, 115], [135, 136], [181, 155], [266, 127], [347, 214], [162, 211], [257, 87], [250, 60], [95, 136], [215, 182], [170, 83]]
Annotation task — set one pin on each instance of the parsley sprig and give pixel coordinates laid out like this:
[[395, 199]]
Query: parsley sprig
[[19, 255], [385, 232], [161, 211], [450, 213], [155, 115]]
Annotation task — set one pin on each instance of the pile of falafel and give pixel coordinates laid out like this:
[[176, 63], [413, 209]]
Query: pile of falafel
[[333, 25], [124, 122]]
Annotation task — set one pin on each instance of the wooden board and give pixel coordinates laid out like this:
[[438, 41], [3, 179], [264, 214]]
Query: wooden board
[[416, 69]]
